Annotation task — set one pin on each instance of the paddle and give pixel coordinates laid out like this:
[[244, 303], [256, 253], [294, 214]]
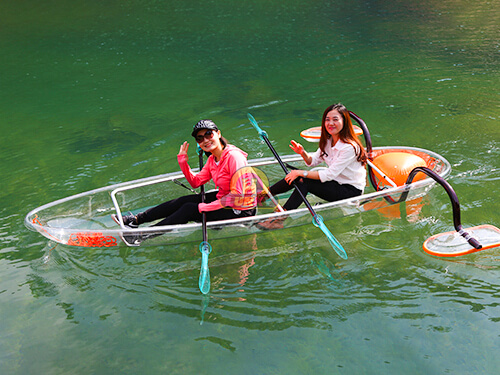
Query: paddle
[[317, 219], [205, 248]]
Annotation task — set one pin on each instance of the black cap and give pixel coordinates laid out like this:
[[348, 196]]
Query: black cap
[[204, 124]]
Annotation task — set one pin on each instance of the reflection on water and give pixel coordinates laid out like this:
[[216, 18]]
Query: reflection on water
[[267, 284], [250, 286]]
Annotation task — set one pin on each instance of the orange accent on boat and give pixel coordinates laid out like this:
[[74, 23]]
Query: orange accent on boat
[[314, 134], [36, 221], [90, 239], [430, 161], [397, 166], [411, 209]]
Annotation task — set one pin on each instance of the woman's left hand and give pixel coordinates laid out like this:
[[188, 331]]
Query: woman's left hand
[[293, 175]]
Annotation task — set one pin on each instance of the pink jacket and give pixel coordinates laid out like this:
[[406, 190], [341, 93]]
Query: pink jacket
[[232, 159]]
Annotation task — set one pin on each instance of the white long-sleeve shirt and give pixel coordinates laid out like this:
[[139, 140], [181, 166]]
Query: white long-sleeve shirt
[[342, 163]]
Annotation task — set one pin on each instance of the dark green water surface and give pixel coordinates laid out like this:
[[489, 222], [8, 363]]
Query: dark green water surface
[[101, 92]]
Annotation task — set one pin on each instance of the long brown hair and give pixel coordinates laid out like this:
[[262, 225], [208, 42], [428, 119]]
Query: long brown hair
[[347, 134]]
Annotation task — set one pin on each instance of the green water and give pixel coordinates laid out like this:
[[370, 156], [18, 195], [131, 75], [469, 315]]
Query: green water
[[95, 93]]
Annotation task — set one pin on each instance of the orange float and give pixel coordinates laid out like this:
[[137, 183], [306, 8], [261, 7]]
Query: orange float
[[411, 209], [397, 166]]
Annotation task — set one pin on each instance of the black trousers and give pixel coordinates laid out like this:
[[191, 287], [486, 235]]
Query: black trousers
[[184, 209], [330, 191]]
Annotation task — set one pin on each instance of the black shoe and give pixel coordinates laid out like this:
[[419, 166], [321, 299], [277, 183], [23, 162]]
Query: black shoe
[[131, 239], [128, 220], [137, 239]]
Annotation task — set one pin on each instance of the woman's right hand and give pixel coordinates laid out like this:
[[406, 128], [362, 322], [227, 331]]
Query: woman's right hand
[[296, 147], [184, 149], [299, 149]]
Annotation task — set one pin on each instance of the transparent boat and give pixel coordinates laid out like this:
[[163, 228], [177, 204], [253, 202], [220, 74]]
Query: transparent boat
[[85, 219]]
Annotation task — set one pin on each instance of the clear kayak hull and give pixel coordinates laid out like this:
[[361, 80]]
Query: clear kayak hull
[[85, 219]]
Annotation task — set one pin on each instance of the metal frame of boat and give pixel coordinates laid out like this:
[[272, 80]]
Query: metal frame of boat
[[84, 219]]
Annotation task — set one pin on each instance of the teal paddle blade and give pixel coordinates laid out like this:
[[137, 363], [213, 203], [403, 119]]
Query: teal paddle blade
[[318, 222], [261, 132], [204, 281]]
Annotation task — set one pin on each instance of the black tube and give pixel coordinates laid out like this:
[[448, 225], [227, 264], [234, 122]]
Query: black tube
[[366, 133], [369, 149], [453, 197]]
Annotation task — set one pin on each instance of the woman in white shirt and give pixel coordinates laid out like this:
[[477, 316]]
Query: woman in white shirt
[[344, 155]]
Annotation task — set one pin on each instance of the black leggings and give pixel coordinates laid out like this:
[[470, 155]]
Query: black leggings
[[184, 209], [330, 191]]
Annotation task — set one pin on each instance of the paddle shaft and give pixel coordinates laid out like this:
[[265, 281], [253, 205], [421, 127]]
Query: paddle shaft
[[285, 169], [202, 192]]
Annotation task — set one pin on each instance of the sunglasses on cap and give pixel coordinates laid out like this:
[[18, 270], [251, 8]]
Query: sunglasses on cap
[[208, 134]]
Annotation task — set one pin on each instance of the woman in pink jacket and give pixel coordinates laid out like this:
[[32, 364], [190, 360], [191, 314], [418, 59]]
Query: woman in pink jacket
[[235, 196]]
